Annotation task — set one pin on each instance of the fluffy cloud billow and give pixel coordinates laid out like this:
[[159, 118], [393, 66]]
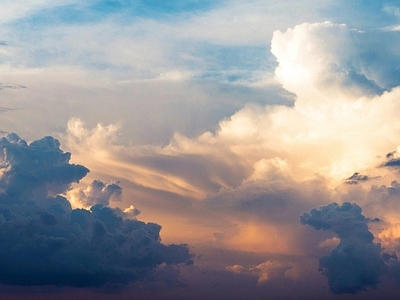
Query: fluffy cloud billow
[[43, 241], [97, 192]]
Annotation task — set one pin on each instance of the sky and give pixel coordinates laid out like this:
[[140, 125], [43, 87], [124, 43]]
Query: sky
[[198, 149]]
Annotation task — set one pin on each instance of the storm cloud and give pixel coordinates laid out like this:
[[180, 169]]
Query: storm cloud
[[43, 241], [356, 263]]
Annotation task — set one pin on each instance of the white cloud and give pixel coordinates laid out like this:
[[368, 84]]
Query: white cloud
[[271, 269], [392, 10], [12, 10]]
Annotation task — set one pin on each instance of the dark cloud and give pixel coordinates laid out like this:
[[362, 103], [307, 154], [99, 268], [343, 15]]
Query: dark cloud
[[356, 263], [392, 160], [32, 172], [393, 267], [395, 162], [390, 155], [43, 241], [5, 109], [357, 177], [11, 86]]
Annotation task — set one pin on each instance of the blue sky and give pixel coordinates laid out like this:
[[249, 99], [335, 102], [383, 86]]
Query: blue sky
[[242, 128], [176, 28], [126, 11]]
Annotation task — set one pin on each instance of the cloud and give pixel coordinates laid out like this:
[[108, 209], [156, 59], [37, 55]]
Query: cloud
[[356, 178], [392, 160], [5, 109], [43, 241], [41, 168], [235, 268], [14, 10], [97, 193], [11, 86], [356, 263], [265, 271], [332, 242], [305, 61], [275, 197], [392, 10]]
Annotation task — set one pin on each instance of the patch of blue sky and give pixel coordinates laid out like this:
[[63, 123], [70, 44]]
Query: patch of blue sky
[[154, 8], [232, 77], [363, 14], [257, 57], [68, 14], [241, 77], [124, 10], [231, 64]]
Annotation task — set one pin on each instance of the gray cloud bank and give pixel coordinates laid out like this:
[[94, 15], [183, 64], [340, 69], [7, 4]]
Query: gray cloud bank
[[43, 241]]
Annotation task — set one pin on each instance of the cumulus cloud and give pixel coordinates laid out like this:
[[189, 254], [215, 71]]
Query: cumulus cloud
[[41, 168], [235, 269], [356, 263], [97, 192], [43, 241], [270, 269], [131, 211], [265, 271]]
